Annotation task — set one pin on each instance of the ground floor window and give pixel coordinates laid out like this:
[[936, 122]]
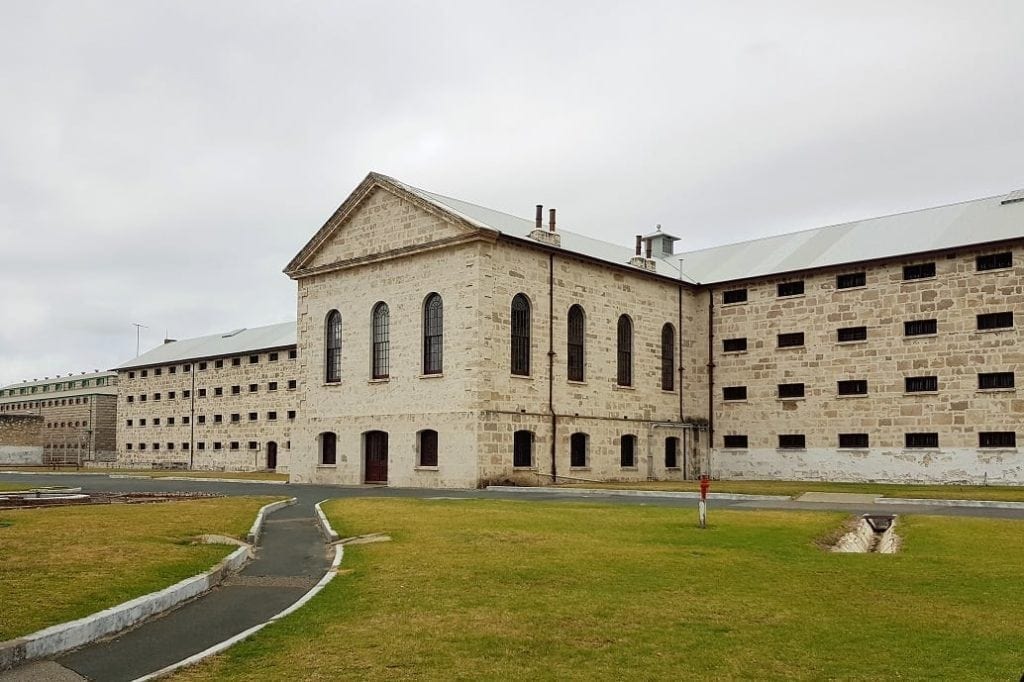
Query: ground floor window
[[428, 448], [578, 450], [328, 448], [627, 451], [522, 449], [671, 452]]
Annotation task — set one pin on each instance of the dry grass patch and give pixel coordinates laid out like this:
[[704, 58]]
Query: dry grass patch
[[797, 488], [63, 563], [484, 589]]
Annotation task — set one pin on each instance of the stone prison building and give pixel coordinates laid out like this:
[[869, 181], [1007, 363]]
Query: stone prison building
[[442, 344]]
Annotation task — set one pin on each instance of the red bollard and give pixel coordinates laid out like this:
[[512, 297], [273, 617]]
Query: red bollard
[[702, 506]]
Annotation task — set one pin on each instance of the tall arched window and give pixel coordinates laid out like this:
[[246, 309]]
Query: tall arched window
[[625, 355], [521, 335], [332, 353], [381, 340], [433, 334], [668, 357], [574, 336]]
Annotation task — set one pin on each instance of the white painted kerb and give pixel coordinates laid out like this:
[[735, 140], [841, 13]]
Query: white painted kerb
[[591, 492], [325, 525]]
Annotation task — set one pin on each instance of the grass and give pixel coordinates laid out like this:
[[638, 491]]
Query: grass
[[161, 473], [796, 488], [13, 486], [484, 589], [64, 563]]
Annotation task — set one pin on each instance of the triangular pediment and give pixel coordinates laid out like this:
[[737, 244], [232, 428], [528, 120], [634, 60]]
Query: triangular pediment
[[381, 218]]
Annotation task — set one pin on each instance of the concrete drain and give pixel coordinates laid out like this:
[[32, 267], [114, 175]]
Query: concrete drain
[[873, 533]]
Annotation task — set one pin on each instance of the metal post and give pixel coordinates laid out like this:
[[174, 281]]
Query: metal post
[[702, 508]]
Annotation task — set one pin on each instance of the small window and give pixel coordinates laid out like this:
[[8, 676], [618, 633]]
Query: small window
[[578, 450], [624, 373], [254, 359], [171, 395], [131, 375], [272, 386], [218, 419], [997, 439], [734, 393], [853, 387], [328, 448], [332, 357], [202, 366], [995, 261], [184, 446], [919, 271], [157, 372], [145, 373], [236, 362], [791, 390], [186, 368], [217, 364], [173, 369], [291, 414], [995, 320], [156, 396], [170, 421], [851, 280], [142, 446], [170, 446], [253, 388], [185, 420], [142, 399], [734, 296], [253, 445], [921, 384], [201, 418], [272, 416], [156, 446], [920, 327], [236, 417], [219, 391], [522, 449], [128, 446], [292, 354], [234, 445], [736, 442], [201, 445], [790, 288], [156, 421], [991, 380], [853, 440], [671, 452], [272, 357], [128, 422], [428, 448], [131, 399], [292, 383], [202, 393], [253, 416], [627, 451], [236, 390], [217, 445], [792, 441], [791, 340], [921, 440], [734, 345]]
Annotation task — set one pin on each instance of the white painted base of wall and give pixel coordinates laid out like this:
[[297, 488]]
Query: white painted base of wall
[[945, 465], [21, 454]]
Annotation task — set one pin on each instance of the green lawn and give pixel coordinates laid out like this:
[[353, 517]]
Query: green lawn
[[796, 488], [483, 589], [158, 473], [63, 563]]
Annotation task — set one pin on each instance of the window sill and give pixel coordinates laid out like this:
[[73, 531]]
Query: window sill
[[673, 468], [851, 395], [579, 468], [852, 449], [436, 375], [735, 449], [531, 468], [734, 352], [630, 468], [919, 279], [382, 380], [908, 337], [326, 466], [993, 331], [733, 305], [735, 402], [913, 393], [790, 449], [907, 450], [521, 376], [426, 468], [997, 270], [861, 287], [791, 348], [620, 387], [789, 400], [999, 451], [791, 296], [574, 382], [996, 390], [668, 391]]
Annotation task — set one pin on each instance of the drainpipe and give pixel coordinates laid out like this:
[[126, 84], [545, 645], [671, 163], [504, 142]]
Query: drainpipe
[[711, 376], [192, 420], [551, 363], [679, 342]]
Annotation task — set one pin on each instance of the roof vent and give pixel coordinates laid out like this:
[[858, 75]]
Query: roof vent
[[233, 333], [661, 244], [1013, 197]]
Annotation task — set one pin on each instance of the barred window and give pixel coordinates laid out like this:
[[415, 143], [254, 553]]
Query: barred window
[[919, 271], [381, 340], [853, 440], [668, 357], [793, 441], [328, 448], [995, 320], [734, 296], [627, 451], [578, 450], [625, 351], [997, 439], [921, 384], [791, 340], [522, 449], [989, 380], [734, 345], [921, 440], [791, 390], [520, 321], [790, 288], [332, 361], [433, 334], [574, 341], [920, 327], [428, 448], [671, 452], [995, 261], [853, 387], [851, 280], [734, 393], [845, 334], [734, 441]]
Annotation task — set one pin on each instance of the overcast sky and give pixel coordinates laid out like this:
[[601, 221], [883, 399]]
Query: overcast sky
[[160, 162]]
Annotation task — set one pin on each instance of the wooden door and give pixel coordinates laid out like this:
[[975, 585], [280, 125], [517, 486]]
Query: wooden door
[[376, 447], [271, 455]]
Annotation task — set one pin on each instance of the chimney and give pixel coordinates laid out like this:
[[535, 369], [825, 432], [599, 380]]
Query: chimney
[[551, 220], [639, 241], [642, 262], [548, 236], [540, 218], [649, 247]]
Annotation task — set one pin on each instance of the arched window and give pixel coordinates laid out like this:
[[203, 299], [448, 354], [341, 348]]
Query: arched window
[[428, 448], [627, 451], [574, 336], [521, 335], [625, 356], [671, 452], [433, 334], [332, 354], [668, 357], [522, 449], [381, 340], [578, 450], [328, 448]]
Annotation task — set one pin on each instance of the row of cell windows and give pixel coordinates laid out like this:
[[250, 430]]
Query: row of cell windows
[[930, 327], [987, 381], [380, 340], [201, 419], [798, 441], [34, 404], [216, 391], [64, 425], [205, 364], [854, 280], [52, 388], [200, 445]]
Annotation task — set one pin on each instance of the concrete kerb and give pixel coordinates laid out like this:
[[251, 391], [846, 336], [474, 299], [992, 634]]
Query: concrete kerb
[[339, 553], [599, 492], [64, 637], [325, 524], [257, 525], [924, 502]]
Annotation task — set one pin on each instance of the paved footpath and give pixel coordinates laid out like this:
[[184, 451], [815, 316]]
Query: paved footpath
[[292, 556]]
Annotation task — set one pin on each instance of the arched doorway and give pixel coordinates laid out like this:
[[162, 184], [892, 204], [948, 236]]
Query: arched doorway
[[375, 449], [272, 455]]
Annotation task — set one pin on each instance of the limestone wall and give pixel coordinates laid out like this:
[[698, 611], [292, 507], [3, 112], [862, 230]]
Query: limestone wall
[[21, 439]]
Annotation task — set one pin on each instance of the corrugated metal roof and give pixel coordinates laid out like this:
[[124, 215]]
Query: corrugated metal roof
[[932, 229], [215, 345], [111, 386]]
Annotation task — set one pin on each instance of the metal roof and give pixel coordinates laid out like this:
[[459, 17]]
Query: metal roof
[[933, 229], [110, 387], [231, 342]]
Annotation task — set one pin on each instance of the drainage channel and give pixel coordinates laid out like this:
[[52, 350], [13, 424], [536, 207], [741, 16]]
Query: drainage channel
[[872, 534]]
